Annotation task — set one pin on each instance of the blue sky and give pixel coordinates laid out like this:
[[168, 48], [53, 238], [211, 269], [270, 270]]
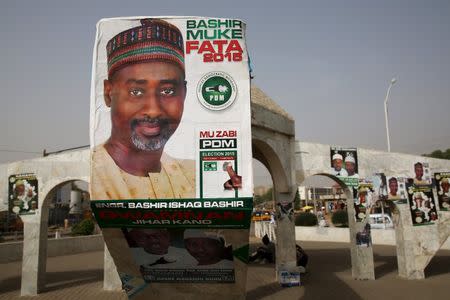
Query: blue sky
[[327, 63]]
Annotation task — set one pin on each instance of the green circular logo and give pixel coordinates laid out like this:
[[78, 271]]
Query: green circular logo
[[216, 90]]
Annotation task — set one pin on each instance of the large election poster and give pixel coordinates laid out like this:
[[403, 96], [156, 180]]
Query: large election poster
[[344, 165], [171, 158], [23, 194], [421, 204]]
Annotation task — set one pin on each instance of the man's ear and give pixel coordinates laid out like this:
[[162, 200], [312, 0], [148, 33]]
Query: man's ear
[[107, 86]]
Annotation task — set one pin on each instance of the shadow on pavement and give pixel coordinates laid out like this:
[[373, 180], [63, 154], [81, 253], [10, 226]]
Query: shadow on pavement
[[61, 280], [438, 265]]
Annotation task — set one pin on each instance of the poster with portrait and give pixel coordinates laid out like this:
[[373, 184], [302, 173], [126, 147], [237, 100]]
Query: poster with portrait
[[422, 204], [397, 189], [189, 255], [443, 189], [381, 206], [344, 165], [23, 194], [365, 199], [170, 135], [421, 173]]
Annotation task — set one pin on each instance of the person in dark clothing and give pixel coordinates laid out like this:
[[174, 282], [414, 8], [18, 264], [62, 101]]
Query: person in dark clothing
[[265, 252]]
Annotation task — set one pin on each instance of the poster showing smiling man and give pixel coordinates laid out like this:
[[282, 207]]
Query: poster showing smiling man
[[344, 165], [170, 134], [23, 194], [422, 204], [443, 189]]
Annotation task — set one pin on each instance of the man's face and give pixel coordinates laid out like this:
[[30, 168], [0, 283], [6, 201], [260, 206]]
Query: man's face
[[146, 102], [418, 169], [337, 164], [350, 167], [153, 241], [205, 250], [20, 189], [393, 187]]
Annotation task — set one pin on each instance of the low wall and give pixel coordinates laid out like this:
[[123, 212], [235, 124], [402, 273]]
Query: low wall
[[13, 251], [342, 235]]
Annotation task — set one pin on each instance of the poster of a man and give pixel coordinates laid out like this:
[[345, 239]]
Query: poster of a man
[[350, 166], [337, 165], [422, 205], [344, 165], [23, 197], [209, 249], [198, 254], [443, 189], [364, 199], [153, 248], [421, 174], [145, 91], [158, 140], [396, 189]]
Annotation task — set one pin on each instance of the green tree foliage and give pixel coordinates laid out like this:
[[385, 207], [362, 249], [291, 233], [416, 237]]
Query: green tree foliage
[[340, 218], [267, 196], [85, 227], [439, 154], [306, 219]]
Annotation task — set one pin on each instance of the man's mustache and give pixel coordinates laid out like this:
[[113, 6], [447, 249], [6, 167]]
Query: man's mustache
[[162, 122]]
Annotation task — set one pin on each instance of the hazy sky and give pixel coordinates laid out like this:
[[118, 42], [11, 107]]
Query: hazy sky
[[327, 63]]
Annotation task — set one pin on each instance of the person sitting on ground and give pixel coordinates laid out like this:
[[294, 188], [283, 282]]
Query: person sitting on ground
[[302, 258], [265, 253]]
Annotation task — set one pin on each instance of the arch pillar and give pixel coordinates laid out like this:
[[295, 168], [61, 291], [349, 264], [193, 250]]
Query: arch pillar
[[273, 139]]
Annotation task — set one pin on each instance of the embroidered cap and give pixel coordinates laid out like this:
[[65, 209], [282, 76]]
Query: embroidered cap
[[154, 40]]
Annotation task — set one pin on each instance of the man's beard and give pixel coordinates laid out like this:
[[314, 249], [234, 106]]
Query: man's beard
[[152, 143]]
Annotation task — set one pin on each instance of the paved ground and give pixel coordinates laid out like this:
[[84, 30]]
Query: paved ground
[[80, 277]]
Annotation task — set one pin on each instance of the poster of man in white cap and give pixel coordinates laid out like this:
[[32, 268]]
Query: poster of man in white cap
[[170, 136], [344, 165], [422, 204], [443, 189], [198, 255]]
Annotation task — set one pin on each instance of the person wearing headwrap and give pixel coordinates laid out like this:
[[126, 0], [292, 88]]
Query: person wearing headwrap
[[209, 249], [337, 169], [151, 248], [145, 91], [350, 166]]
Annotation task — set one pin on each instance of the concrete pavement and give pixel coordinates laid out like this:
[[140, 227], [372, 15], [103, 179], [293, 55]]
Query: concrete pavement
[[329, 276]]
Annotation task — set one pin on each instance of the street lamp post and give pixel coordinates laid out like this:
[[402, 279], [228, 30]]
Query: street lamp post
[[393, 80]]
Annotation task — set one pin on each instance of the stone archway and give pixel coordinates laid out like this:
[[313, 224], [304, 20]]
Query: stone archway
[[35, 240], [273, 141]]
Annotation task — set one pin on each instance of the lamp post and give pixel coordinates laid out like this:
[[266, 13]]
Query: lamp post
[[393, 80]]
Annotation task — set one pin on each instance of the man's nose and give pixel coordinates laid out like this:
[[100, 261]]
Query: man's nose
[[152, 105]]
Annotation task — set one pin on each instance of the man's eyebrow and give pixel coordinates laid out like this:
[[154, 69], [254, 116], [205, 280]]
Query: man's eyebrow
[[170, 81], [137, 81], [162, 81]]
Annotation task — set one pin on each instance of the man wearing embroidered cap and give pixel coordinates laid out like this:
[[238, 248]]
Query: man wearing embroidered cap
[[145, 91], [337, 165]]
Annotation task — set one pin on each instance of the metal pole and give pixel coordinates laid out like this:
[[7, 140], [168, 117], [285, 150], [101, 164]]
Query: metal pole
[[393, 80]]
